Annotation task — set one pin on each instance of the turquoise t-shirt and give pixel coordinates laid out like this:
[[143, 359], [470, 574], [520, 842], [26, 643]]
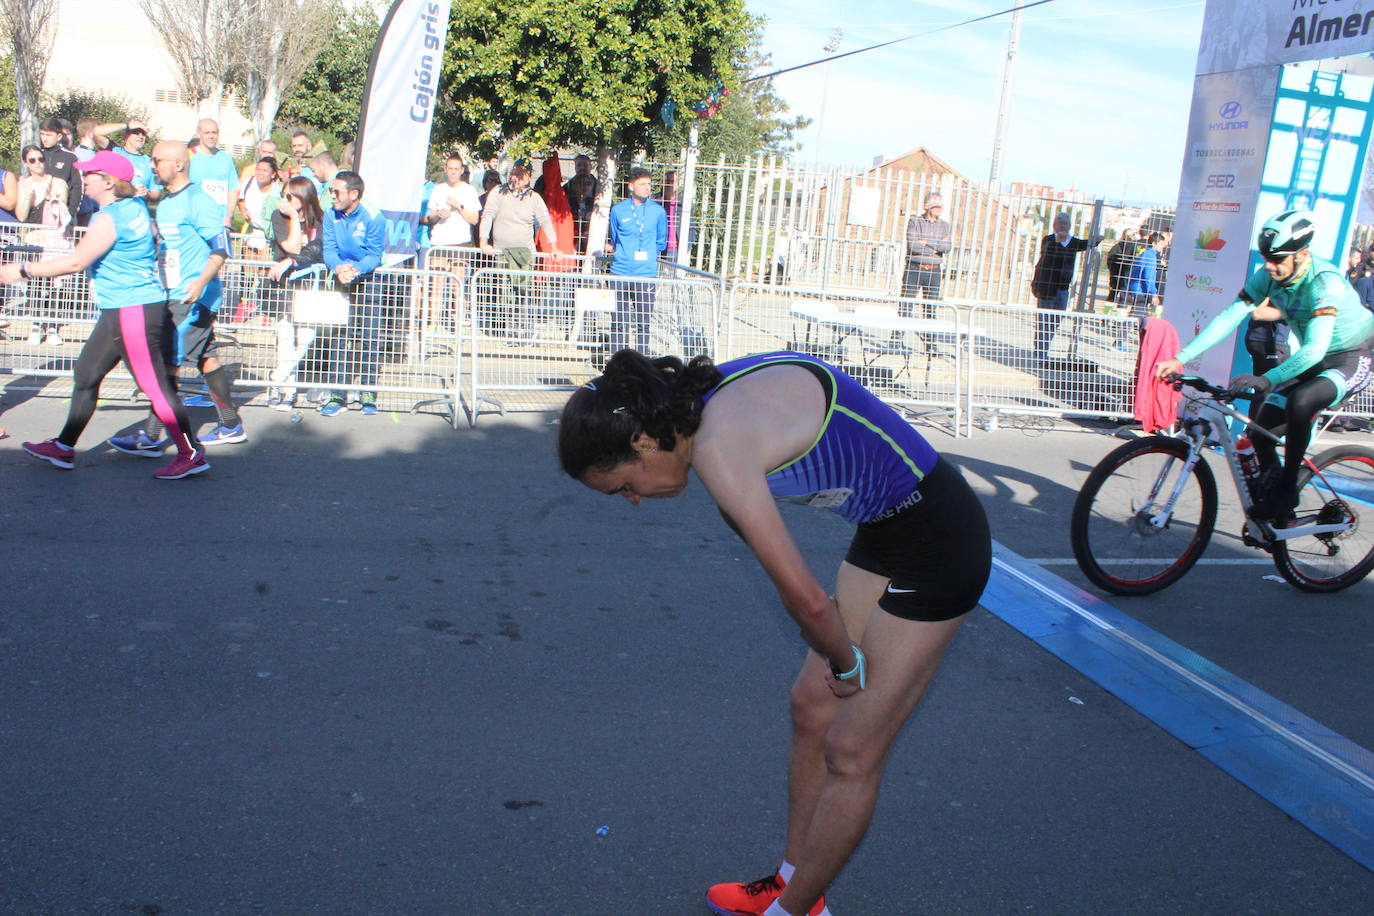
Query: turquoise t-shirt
[[143, 168], [127, 273], [191, 227], [1322, 308], [216, 174]]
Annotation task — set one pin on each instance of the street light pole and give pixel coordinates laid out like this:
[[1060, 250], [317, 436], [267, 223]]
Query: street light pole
[[1004, 105]]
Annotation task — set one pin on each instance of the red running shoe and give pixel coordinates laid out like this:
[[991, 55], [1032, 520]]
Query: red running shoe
[[53, 452], [183, 466], [753, 898]]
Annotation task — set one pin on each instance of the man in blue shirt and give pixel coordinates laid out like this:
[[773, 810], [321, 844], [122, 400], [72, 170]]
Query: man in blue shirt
[[193, 243], [213, 169], [638, 234], [135, 135], [354, 237]]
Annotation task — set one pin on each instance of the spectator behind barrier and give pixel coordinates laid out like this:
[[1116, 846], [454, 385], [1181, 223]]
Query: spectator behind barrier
[[638, 235], [298, 257], [354, 239]]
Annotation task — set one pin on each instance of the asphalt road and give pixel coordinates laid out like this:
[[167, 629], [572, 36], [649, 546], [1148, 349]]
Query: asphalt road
[[377, 666]]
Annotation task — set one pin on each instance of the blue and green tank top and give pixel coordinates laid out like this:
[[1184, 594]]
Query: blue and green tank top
[[866, 460]]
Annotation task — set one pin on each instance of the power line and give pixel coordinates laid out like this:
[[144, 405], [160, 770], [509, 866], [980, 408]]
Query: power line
[[1024, 6]]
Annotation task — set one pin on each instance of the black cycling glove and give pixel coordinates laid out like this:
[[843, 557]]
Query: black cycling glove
[[1243, 384]]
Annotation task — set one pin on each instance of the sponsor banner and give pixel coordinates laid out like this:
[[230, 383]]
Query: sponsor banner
[[1240, 35], [397, 113], [1209, 260]]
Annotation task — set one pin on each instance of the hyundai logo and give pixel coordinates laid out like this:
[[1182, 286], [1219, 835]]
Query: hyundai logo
[[1230, 110]]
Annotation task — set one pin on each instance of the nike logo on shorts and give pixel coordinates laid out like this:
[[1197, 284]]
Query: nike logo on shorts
[[899, 591]]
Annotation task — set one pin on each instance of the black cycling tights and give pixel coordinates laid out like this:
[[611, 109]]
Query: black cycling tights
[[1294, 421]]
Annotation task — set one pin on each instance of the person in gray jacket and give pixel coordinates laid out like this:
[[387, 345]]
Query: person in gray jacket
[[927, 240]]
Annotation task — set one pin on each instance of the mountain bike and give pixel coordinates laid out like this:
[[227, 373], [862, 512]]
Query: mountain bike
[[1146, 512]]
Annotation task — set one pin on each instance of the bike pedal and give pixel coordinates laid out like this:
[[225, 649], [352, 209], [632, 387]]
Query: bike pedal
[[1249, 541]]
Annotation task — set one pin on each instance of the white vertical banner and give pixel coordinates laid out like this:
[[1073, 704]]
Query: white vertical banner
[[1209, 260], [397, 114]]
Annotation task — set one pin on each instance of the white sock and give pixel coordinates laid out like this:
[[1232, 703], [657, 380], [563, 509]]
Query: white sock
[[785, 871], [776, 910]]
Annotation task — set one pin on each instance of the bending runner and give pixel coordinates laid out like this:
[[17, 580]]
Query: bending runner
[[134, 323], [1332, 363], [787, 426], [193, 244]]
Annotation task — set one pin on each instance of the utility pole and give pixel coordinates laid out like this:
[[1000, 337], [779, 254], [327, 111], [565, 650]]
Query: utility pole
[[831, 45], [999, 142]]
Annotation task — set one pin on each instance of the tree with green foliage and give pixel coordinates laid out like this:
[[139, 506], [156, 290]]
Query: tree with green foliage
[[329, 95], [105, 107], [9, 118], [597, 73], [751, 122]]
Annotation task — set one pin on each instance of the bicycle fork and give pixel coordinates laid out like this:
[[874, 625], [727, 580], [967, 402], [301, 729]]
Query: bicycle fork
[[1161, 515]]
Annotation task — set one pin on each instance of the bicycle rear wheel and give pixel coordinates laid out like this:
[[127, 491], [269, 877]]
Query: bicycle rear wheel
[[1335, 560], [1124, 538]]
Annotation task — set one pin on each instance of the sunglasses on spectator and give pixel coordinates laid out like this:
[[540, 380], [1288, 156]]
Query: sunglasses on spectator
[[33, 159]]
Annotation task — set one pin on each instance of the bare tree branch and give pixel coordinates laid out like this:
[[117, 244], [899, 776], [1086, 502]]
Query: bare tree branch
[[281, 39], [203, 38], [31, 26]]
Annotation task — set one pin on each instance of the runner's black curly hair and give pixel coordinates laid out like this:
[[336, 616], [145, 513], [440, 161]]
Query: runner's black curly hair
[[635, 394]]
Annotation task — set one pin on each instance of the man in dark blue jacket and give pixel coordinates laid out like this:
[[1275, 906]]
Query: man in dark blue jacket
[[354, 236]]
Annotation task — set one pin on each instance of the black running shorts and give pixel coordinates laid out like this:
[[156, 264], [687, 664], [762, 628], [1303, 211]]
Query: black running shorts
[[937, 552]]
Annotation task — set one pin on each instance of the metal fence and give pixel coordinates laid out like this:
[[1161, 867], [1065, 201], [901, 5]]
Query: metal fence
[[772, 222], [536, 335]]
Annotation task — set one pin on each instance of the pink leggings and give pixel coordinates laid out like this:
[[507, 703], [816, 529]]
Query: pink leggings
[[141, 335]]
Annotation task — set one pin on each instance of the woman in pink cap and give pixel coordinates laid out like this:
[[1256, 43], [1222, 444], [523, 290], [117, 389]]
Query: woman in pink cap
[[120, 254]]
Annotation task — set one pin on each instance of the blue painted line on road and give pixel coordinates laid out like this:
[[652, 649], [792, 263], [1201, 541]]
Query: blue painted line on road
[[1319, 778]]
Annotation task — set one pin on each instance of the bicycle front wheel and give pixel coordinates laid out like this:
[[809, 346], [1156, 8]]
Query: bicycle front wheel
[[1140, 522], [1343, 494]]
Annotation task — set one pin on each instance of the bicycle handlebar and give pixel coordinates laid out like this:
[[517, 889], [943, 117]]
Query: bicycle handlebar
[[1201, 384]]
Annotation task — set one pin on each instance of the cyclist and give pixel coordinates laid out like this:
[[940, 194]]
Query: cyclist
[[1331, 363]]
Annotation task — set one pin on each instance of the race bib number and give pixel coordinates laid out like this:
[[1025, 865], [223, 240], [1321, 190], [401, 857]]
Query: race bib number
[[218, 190], [823, 499], [171, 268]]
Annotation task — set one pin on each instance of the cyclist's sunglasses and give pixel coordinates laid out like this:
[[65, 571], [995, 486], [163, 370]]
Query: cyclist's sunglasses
[[1276, 257]]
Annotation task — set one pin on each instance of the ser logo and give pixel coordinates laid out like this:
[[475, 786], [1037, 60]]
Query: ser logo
[[1221, 180]]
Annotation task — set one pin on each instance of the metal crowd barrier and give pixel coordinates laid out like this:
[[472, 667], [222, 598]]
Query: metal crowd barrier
[[912, 354], [399, 337], [535, 335], [1050, 362], [43, 321]]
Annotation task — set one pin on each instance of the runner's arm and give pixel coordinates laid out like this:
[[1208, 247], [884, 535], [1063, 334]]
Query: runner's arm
[[741, 492]]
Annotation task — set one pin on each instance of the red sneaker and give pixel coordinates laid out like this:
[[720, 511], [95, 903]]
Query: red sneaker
[[183, 466], [53, 452], [753, 898]]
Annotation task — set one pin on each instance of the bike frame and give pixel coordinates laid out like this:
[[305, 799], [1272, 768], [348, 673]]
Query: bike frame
[[1203, 422]]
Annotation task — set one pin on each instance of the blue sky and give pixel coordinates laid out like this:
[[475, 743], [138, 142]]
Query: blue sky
[[1100, 94]]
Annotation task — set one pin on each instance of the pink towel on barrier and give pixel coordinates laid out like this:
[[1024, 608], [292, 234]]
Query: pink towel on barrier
[[1156, 404]]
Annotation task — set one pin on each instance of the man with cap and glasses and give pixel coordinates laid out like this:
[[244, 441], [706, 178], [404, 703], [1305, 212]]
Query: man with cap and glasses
[[511, 218], [135, 136], [927, 240]]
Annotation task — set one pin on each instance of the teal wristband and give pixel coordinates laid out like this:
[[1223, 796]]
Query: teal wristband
[[857, 672]]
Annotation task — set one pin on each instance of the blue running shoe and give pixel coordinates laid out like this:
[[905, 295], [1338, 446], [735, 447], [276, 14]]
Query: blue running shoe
[[140, 444], [368, 403], [224, 435], [333, 407], [198, 400]]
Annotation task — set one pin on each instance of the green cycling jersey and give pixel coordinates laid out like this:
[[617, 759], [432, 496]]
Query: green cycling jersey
[[1321, 307]]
